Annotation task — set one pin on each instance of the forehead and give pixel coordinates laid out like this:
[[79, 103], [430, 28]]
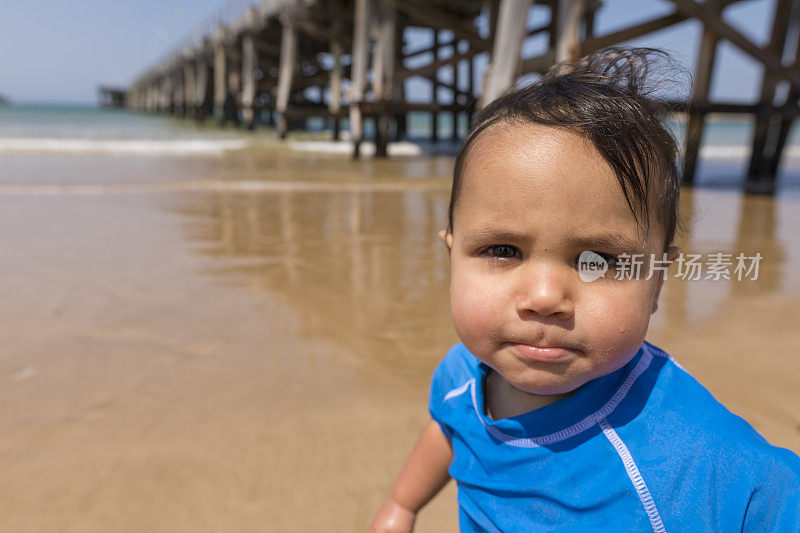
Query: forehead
[[526, 175]]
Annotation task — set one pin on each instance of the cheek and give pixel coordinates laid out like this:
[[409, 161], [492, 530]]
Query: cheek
[[475, 306], [619, 321]]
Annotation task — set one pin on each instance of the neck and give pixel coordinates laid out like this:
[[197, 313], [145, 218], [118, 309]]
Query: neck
[[503, 400]]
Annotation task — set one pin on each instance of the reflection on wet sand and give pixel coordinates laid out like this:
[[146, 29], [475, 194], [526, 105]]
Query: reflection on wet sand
[[247, 359], [729, 223], [366, 271]]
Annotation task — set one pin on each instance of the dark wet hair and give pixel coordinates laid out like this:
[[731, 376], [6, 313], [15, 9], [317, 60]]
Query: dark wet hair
[[607, 97]]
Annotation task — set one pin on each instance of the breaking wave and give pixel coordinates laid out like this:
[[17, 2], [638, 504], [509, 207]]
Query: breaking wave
[[144, 147]]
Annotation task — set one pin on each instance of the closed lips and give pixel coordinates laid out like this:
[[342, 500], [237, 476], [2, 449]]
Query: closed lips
[[549, 353]]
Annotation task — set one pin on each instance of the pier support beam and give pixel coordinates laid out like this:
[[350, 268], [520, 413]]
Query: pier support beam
[[288, 60], [589, 18], [568, 41], [202, 89], [459, 96], [234, 81], [150, 106], [179, 97], [221, 92], [335, 103], [167, 94], [702, 83], [358, 75], [154, 97], [383, 71], [783, 127], [764, 158], [712, 20], [158, 87], [249, 65], [188, 88], [399, 91], [471, 90], [435, 89], [506, 58], [337, 50]]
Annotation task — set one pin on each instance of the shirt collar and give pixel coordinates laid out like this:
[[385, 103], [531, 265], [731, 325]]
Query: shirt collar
[[568, 416]]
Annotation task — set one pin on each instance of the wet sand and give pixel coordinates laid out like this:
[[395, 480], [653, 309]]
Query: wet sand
[[244, 343]]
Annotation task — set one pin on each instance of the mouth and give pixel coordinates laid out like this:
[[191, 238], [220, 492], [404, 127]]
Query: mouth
[[550, 354]]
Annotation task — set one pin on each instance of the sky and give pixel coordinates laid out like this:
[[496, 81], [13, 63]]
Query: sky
[[59, 52]]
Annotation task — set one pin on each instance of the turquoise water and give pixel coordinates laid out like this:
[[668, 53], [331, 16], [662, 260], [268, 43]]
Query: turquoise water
[[59, 121], [43, 129], [77, 122]]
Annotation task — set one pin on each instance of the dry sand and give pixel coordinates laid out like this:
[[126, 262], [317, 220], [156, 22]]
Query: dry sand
[[186, 352]]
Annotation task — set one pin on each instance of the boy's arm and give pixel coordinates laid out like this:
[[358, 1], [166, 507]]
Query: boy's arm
[[422, 477]]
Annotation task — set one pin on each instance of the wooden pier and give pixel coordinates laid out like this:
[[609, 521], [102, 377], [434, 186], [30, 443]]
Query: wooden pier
[[280, 62], [109, 97]]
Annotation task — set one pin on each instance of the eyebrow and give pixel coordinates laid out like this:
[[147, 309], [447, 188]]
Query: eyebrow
[[611, 240], [496, 235], [608, 240]]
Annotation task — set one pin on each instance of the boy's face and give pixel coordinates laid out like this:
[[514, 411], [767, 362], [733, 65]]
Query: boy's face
[[532, 199]]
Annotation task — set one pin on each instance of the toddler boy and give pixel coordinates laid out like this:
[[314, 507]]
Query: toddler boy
[[553, 413]]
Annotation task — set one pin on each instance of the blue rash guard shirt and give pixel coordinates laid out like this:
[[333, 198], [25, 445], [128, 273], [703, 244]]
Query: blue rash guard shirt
[[645, 448]]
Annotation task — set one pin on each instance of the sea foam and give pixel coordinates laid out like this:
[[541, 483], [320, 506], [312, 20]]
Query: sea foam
[[145, 147]]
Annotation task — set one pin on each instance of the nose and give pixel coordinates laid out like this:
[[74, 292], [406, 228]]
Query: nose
[[544, 290]]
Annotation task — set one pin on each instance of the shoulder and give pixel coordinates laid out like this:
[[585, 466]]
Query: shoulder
[[456, 369], [703, 463], [450, 385], [702, 428]]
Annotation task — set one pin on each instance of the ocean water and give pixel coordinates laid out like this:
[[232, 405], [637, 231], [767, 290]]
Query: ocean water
[[71, 129], [64, 130]]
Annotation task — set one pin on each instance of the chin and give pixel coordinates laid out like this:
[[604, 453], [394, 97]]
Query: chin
[[548, 386], [555, 390]]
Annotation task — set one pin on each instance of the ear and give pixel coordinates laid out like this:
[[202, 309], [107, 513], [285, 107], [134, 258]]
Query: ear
[[672, 253], [447, 237]]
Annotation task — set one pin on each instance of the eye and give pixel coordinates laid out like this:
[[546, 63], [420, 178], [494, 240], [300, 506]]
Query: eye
[[612, 261], [501, 251]]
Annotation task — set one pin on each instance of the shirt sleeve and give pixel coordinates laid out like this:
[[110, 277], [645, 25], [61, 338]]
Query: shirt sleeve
[[440, 383], [775, 504]]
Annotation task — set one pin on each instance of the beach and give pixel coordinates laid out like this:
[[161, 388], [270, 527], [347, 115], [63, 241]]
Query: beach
[[205, 331]]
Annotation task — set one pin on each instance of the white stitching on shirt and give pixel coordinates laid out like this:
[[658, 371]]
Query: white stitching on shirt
[[458, 391], [635, 476]]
